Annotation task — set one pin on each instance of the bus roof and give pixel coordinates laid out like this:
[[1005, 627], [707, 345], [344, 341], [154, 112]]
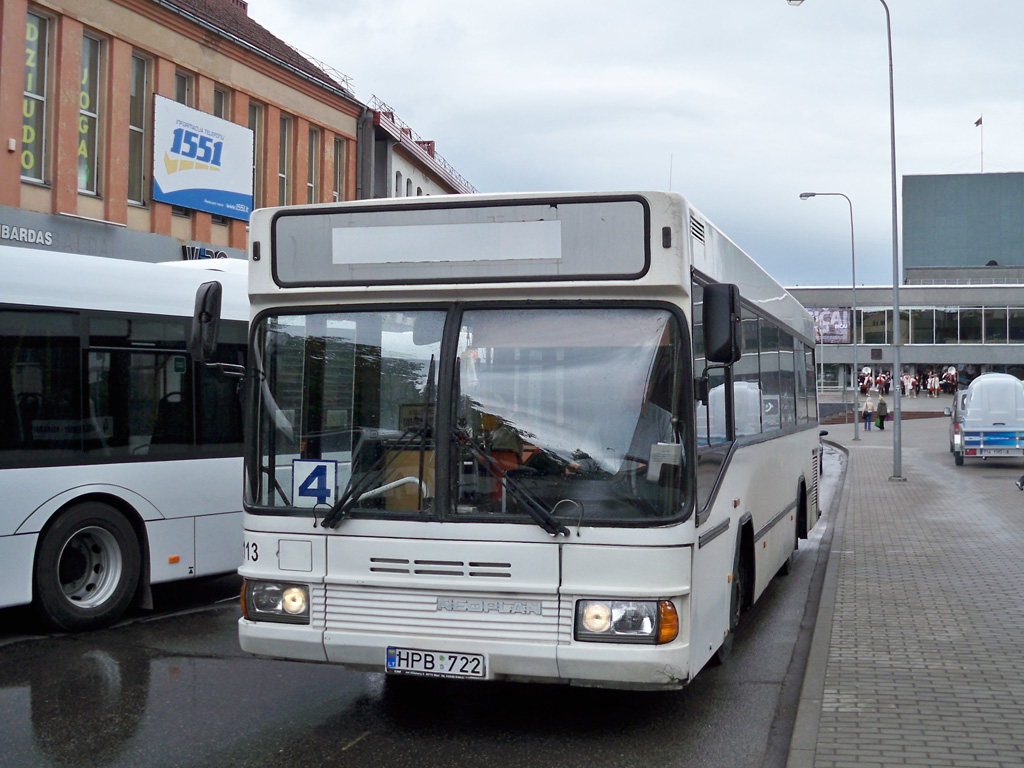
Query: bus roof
[[568, 241], [41, 278]]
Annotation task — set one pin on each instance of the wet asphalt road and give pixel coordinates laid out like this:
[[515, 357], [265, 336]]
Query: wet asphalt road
[[173, 689]]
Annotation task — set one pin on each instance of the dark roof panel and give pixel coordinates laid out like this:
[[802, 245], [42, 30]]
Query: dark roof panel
[[232, 17]]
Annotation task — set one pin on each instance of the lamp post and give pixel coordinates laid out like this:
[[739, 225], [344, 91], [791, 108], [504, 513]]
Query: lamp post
[[853, 274], [897, 431]]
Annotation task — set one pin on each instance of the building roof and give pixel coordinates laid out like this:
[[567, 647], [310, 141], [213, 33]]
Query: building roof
[[231, 18], [424, 151]]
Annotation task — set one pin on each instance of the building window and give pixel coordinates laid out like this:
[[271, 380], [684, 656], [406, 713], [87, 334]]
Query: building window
[[1015, 323], [945, 325], [312, 165], [137, 130], [338, 184], [970, 325], [221, 109], [995, 325], [88, 116], [283, 166], [873, 327], [922, 328], [183, 88], [904, 327], [419, 191], [33, 105], [221, 104], [408, 187], [183, 95], [256, 126], [398, 183]]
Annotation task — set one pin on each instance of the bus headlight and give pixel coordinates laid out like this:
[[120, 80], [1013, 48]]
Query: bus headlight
[[626, 621], [275, 601]]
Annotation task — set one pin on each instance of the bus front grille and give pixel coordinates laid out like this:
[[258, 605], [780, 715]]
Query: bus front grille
[[447, 614]]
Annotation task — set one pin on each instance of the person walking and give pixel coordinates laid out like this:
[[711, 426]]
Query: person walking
[[883, 411], [867, 411]]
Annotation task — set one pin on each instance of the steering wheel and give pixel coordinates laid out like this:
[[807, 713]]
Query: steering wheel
[[633, 466]]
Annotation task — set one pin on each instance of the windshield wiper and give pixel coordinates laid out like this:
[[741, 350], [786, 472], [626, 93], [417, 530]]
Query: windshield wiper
[[531, 504], [367, 482], [356, 489]]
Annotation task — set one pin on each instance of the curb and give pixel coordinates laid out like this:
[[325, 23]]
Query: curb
[[804, 742]]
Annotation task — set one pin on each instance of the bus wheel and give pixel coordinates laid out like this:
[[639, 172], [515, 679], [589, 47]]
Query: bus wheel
[[799, 531], [737, 595], [787, 565], [87, 568]]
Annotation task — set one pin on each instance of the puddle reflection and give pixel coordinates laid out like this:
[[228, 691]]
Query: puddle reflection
[[66, 703]]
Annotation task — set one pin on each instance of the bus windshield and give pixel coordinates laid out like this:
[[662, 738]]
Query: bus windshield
[[567, 414]]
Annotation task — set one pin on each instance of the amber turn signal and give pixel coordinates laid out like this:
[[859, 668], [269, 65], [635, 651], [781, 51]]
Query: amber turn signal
[[668, 622]]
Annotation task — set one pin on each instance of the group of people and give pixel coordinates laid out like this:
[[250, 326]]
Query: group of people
[[872, 415], [882, 382], [937, 384], [911, 384]]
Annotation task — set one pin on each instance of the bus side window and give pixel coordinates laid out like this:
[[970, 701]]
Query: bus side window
[[219, 403], [711, 424], [173, 422], [40, 393]]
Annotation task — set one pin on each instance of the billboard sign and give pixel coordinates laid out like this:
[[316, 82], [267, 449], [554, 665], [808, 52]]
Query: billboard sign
[[200, 161], [831, 325]]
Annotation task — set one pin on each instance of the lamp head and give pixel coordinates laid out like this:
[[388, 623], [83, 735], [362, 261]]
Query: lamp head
[[805, 195], [794, 2]]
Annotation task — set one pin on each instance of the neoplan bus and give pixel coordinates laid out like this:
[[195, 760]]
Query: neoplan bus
[[528, 437], [120, 457]]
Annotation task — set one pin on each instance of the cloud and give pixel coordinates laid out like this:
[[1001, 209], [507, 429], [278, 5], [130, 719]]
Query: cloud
[[738, 104]]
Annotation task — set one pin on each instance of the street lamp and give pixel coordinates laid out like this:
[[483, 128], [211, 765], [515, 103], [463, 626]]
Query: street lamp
[[897, 417], [853, 271]]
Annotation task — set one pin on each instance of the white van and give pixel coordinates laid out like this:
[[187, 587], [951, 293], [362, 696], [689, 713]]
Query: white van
[[992, 418]]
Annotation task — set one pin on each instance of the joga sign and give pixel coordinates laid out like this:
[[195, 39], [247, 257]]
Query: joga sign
[[200, 161]]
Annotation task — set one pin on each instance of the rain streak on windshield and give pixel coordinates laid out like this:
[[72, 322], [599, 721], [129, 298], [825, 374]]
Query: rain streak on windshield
[[554, 414]]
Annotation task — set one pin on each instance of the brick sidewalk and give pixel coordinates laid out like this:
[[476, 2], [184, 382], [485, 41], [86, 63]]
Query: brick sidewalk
[[918, 653]]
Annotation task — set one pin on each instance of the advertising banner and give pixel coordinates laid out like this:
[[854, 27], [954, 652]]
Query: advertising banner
[[831, 325], [200, 161]]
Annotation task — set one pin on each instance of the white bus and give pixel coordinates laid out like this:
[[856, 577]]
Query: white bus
[[525, 437], [120, 458]]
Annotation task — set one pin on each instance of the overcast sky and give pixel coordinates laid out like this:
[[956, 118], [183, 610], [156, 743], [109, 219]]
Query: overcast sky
[[740, 105]]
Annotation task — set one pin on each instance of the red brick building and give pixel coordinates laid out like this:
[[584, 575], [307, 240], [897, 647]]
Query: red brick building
[[81, 81]]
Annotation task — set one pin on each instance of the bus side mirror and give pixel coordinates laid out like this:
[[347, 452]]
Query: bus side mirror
[[202, 340], [721, 307]]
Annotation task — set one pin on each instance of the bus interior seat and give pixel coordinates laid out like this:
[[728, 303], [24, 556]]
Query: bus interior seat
[[220, 418], [30, 406], [173, 423]]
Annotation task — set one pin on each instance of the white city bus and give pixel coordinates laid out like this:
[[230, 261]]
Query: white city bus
[[120, 458], [529, 437]]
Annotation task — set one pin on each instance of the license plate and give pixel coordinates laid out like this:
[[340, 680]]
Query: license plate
[[1002, 452], [415, 661]]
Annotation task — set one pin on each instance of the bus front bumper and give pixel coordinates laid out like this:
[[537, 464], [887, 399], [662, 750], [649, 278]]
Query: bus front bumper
[[605, 665]]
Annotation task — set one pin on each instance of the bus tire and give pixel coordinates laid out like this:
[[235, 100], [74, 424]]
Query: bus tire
[[799, 531], [87, 568], [737, 602], [787, 565]]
